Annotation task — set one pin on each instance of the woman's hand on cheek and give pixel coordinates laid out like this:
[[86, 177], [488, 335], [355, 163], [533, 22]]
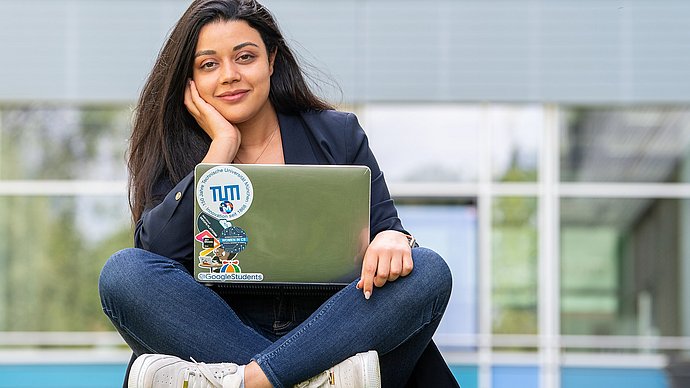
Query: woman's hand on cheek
[[388, 257], [225, 137]]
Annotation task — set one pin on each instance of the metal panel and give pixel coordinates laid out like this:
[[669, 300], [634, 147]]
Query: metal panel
[[594, 52]]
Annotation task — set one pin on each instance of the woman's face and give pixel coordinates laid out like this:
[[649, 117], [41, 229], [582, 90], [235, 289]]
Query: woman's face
[[232, 70]]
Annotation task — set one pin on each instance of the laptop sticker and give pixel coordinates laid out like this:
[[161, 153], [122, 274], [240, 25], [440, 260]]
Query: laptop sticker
[[206, 222], [208, 242], [215, 257], [224, 192], [233, 239]]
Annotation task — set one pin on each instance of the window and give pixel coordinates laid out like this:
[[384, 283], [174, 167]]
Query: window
[[64, 213]]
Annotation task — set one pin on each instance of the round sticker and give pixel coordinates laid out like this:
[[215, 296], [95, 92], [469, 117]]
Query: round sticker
[[224, 192], [226, 207], [233, 239]]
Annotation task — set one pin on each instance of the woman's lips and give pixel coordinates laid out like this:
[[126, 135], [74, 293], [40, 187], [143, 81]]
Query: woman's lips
[[233, 96]]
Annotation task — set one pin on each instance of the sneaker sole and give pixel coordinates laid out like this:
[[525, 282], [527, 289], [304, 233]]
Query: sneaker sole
[[372, 374]]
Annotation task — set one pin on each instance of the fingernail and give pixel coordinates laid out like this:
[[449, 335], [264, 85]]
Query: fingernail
[[367, 295]]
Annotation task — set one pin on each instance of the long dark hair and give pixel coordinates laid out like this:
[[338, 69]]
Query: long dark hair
[[166, 141]]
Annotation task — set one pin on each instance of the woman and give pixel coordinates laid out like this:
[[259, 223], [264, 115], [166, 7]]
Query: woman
[[227, 89]]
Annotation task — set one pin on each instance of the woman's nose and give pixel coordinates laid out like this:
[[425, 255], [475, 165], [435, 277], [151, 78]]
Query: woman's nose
[[229, 73]]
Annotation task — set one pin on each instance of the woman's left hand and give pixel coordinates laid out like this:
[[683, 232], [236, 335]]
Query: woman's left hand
[[388, 257]]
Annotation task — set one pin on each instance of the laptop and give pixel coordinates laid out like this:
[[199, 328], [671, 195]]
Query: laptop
[[260, 225]]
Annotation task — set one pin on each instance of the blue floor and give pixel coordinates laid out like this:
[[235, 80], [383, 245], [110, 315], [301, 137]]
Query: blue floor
[[111, 376], [62, 376], [528, 377], [610, 378]]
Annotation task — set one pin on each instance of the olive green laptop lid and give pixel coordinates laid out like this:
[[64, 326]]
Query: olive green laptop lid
[[280, 224]]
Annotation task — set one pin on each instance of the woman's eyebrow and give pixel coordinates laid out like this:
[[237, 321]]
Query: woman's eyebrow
[[213, 52], [204, 52], [239, 46]]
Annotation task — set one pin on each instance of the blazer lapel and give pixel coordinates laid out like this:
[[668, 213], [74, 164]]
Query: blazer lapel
[[297, 147]]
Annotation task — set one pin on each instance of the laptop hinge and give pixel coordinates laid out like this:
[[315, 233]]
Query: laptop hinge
[[277, 289]]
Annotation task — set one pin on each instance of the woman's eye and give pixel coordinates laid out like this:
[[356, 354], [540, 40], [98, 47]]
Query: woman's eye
[[245, 57], [208, 65]]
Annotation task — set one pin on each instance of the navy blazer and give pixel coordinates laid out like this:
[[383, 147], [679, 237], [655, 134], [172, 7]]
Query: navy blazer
[[325, 137]]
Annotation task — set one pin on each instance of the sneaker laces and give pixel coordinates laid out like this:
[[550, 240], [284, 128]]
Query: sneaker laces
[[201, 376]]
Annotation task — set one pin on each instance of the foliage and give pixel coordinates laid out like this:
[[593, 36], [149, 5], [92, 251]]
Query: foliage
[[53, 247]]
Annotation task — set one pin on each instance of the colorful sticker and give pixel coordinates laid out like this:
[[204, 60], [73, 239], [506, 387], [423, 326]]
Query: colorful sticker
[[219, 260], [208, 243], [224, 192], [233, 239]]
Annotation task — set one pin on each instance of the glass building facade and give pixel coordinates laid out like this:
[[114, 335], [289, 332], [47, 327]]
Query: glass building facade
[[543, 148]]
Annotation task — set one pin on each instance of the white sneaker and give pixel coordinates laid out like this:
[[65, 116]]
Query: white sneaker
[[358, 371], [161, 371]]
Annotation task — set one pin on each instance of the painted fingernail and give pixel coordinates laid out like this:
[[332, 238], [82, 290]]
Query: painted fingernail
[[367, 295]]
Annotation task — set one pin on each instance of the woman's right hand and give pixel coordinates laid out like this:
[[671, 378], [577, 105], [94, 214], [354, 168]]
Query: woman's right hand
[[225, 137]]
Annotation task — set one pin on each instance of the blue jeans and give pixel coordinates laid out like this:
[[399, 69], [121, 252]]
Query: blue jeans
[[158, 307]]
